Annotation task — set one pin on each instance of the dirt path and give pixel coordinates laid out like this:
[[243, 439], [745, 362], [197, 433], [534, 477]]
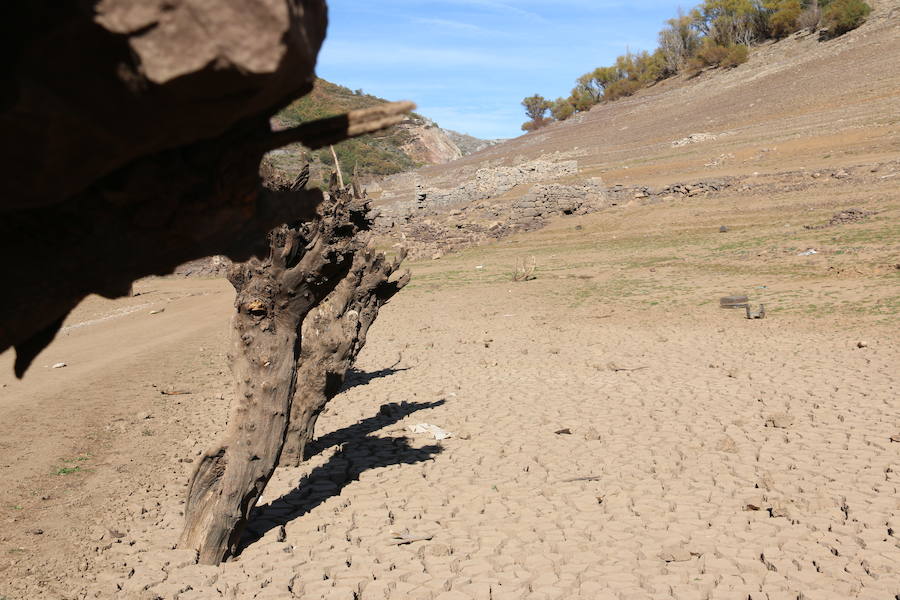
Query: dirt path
[[69, 436]]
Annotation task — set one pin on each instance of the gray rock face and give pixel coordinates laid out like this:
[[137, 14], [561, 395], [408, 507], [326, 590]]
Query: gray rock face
[[487, 183], [427, 232]]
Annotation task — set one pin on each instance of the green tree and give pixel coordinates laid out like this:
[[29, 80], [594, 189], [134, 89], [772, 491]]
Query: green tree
[[581, 100], [678, 41], [728, 22], [536, 108], [594, 84]]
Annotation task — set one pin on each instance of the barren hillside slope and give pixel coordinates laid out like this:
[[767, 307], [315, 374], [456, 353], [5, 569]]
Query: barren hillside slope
[[806, 102]]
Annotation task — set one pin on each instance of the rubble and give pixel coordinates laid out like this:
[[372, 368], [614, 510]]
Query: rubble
[[694, 138]]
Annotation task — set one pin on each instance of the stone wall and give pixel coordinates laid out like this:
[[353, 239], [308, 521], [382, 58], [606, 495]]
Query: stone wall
[[552, 199]]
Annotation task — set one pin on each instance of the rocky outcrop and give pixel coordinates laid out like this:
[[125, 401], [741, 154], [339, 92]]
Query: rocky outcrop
[[488, 182], [427, 143], [621, 194], [468, 144], [431, 235]]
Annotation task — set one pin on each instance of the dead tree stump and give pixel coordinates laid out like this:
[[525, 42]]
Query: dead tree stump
[[334, 333], [305, 263]]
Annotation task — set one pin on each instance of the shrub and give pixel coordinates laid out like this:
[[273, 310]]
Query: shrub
[[562, 109], [716, 55], [711, 54], [581, 100], [737, 55], [536, 124], [842, 16], [622, 88], [784, 21]]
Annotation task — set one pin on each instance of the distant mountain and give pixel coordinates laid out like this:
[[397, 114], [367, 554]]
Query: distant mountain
[[469, 144], [416, 142]]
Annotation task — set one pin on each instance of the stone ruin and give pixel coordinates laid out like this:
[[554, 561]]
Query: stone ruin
[[437, 221], [487, 183], [552, 199]]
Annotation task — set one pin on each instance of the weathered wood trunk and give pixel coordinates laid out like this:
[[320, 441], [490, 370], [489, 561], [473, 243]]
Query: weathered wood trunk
[[305, 263], [334, 333]]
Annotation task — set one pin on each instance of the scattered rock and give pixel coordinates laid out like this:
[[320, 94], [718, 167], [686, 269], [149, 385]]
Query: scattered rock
[[433, 430], [675, 554], [862, 344], [156, 312], [779, 511], [896, 438], [59, 365], [726, 444], [694, 138], [780, 420], [565, 431], [36, 532], [592, 435], [143, 416], [723, 229], [850, 215]]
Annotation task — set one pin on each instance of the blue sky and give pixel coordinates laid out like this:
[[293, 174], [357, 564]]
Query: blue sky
[[469, 63]]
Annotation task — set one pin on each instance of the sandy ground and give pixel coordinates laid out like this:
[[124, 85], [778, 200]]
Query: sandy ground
[[616, 433]]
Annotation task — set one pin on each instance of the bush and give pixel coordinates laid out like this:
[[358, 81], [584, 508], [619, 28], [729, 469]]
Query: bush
[[737, 55], [712, 54], [842, 16], [562, 109], [716, 55], [785, 20], [621, 89], [535, 124]]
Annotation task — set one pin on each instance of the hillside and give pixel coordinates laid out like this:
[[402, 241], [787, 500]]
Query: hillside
[[797, 103], [416, 142]]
